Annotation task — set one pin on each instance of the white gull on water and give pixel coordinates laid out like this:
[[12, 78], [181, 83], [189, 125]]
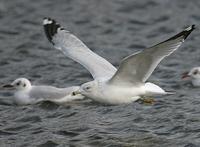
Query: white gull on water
[[25, 93], [110, 85]]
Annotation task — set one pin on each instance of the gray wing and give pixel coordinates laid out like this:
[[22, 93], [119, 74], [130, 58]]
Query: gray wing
[[75, 49], [51, 93], [137, 68]]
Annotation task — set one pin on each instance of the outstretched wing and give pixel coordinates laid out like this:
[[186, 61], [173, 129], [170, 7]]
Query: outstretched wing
[[75, 49], [137, 68]]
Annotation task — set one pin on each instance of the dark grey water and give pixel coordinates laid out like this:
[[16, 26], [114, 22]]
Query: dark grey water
[[113, 29]]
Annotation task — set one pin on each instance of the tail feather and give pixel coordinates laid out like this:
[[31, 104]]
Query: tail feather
[[170, 92], [152, 89]]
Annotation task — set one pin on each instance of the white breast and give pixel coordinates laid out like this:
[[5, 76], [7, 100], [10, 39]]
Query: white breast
[[118, 95], [196, 82], [22, 98]]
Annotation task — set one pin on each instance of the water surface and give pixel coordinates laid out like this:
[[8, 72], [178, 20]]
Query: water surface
[[113, 29]]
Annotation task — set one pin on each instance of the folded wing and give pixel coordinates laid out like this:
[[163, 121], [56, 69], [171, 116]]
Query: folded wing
[[51, 93], [75, 49], [136, 68]]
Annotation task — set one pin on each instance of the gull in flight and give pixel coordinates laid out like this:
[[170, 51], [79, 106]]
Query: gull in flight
[[194, 75], [110, 85], [25, 93]]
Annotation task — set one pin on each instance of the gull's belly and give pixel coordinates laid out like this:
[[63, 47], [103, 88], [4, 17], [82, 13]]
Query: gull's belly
[[119, 95]]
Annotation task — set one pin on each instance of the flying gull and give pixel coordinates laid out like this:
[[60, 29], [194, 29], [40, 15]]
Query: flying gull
[[110, 85]]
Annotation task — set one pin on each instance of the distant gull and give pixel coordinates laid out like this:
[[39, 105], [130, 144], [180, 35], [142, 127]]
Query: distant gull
[[25, 93], [111, 86], [194, 75]]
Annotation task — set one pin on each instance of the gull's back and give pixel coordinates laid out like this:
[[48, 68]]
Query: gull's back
[[50, 92]]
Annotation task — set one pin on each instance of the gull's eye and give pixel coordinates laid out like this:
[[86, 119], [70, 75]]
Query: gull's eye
[[18, 83], [195, 72], [87, 88], [24, 85]]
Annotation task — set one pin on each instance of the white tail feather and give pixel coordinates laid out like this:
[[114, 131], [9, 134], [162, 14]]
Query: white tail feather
[[152, 89]]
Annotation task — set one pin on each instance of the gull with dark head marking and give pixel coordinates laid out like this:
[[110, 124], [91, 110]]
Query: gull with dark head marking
[[25, 93], [110, 85], [194, 75]]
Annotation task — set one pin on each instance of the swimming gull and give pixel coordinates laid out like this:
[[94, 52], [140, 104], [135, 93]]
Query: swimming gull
[[25, 93]]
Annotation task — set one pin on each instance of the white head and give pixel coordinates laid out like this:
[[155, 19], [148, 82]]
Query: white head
[[88, 89], [19, 84], [194, 74]]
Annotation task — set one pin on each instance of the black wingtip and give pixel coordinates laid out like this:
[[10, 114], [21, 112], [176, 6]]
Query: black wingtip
[[184, 34], [188, 30], [50, 28]]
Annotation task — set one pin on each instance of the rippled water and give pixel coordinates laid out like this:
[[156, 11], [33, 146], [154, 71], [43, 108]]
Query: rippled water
[[113, 29]]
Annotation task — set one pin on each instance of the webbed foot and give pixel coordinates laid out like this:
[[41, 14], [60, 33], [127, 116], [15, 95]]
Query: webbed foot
[[147, 100]]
